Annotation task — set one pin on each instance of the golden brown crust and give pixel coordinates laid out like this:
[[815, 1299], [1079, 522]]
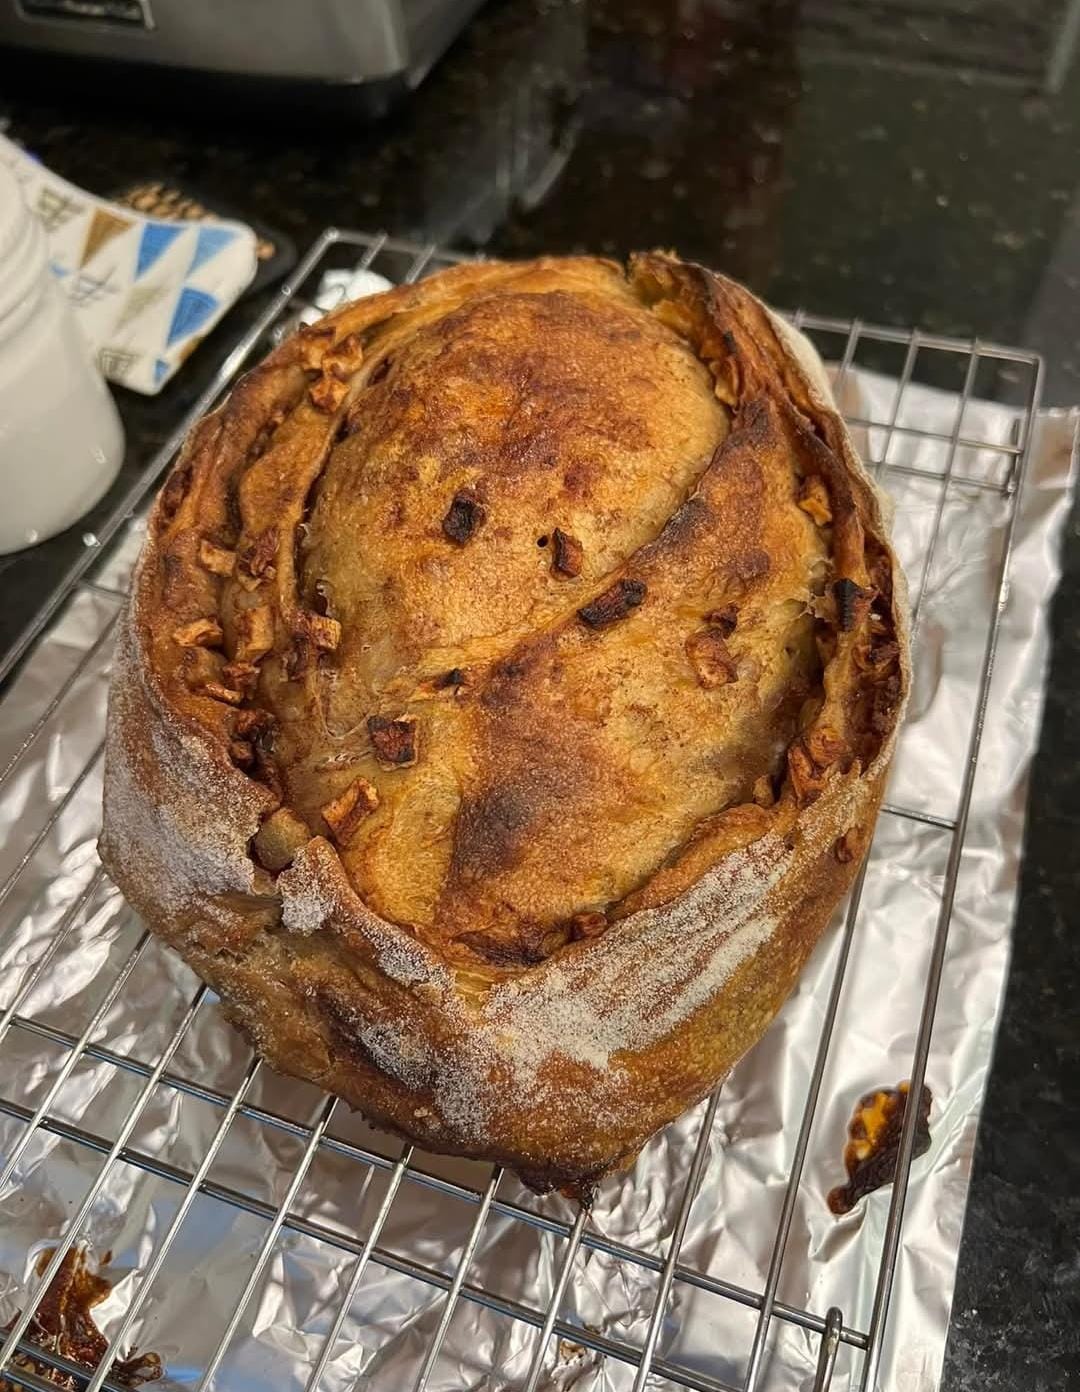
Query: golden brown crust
[[506, 698]]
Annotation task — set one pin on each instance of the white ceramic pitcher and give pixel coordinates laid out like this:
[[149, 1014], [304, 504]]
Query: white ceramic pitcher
[[61, 442]]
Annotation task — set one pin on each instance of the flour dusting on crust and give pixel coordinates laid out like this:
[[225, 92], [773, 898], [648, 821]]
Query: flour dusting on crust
[[188, 850], [313, 890], [647, 976], [649, 973]]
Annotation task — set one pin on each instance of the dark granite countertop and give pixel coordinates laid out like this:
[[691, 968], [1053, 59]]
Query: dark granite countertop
[[909, 164]]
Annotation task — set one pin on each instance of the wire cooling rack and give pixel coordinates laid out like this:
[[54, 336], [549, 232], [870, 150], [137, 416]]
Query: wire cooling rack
[[97, 581]]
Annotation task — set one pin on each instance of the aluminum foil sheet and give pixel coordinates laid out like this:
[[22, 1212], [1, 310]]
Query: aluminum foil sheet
[[61, 905]]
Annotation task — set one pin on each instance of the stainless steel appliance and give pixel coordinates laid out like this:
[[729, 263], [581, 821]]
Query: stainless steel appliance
[[372, 47]]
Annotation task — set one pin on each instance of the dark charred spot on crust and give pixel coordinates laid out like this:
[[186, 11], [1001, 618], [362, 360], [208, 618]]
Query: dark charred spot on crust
[[379, 373], [614, 604], [589, 924], [340, 1015], [680, 528], [725, 620], [462, 519], [234, 518], [503, 687], [852, 603], [320, 600], [531, 944], [491, 830], [568, 554], [394, 741], [175, 490], [512, 669], [455, 677], [729, 341], [498, 951]]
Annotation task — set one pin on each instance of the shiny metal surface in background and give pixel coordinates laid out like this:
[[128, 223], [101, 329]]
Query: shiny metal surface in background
[[262, 1235]]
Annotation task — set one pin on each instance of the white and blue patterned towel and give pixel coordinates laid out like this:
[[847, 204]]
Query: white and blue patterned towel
[[145, 291]]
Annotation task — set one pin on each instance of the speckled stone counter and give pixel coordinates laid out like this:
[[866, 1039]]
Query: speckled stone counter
[[903, 164]]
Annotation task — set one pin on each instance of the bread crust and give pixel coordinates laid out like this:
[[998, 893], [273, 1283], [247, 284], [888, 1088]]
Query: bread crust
[[517, 852]]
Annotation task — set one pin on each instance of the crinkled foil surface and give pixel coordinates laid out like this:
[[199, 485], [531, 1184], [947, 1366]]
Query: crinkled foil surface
[[381, 1345]]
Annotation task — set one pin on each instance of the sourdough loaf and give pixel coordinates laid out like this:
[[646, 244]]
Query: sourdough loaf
[[505, 700]]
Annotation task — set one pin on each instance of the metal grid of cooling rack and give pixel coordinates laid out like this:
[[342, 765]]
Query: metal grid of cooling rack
[[411, 261]]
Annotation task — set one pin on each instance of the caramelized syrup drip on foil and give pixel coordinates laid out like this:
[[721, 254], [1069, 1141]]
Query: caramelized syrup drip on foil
[[63, 1324], [874, 1141]]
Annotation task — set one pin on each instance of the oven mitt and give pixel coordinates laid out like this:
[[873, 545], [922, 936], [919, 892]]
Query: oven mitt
[[145, 291]]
